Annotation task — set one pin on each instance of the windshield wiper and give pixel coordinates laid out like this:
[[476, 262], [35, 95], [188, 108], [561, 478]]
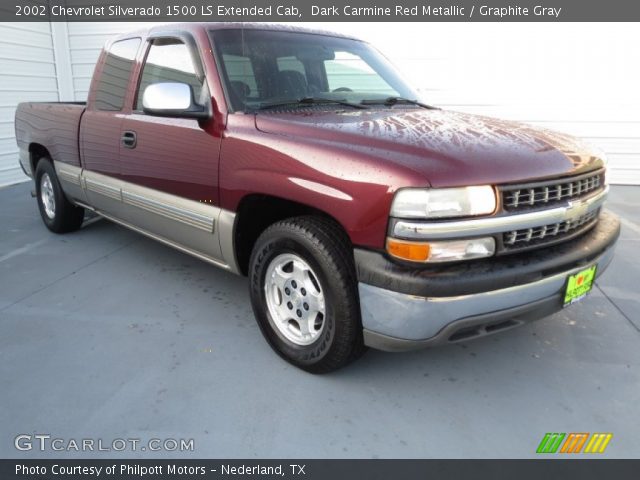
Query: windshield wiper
[[309, 101], [391, 101]]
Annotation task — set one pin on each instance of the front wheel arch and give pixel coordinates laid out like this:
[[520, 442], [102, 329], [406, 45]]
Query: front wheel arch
[[257, 212]]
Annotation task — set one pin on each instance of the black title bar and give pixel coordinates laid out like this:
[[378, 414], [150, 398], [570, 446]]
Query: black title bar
[[320, 10]]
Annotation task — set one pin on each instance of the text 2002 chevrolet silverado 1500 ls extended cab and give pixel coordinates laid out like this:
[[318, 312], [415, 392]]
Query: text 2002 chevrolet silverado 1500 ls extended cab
[[303, 160]]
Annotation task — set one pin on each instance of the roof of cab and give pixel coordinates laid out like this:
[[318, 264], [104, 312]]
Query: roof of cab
[[193, 26]]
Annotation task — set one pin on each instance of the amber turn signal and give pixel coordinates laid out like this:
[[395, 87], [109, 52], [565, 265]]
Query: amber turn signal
[[413, 251], [441, 251]]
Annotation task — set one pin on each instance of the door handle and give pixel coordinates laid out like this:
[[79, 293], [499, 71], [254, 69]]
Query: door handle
[[129, 139]]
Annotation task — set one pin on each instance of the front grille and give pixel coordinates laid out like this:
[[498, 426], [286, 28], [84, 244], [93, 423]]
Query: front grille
[[548, 234], [546, 194]]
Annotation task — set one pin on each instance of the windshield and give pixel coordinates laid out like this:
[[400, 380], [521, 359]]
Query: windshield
[[262, 67]]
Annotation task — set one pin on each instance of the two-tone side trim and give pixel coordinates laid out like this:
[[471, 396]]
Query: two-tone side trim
[[68, 173], [231, 266], [102, 188], [172, 212], [202, 230]]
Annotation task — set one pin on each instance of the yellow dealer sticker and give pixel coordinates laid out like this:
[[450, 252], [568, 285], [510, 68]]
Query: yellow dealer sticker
[[579, 284]]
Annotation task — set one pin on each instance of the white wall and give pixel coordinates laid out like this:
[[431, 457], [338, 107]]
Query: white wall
[[582, 78], [27, 72]]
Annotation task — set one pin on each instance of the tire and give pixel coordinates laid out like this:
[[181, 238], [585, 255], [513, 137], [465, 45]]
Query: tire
[[58, 214], [317, 328]]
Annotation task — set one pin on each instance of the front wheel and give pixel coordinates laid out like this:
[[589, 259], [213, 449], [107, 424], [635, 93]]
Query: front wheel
[[304, 293]]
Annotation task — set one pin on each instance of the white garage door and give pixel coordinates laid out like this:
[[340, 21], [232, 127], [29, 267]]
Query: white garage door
[[27, 72]]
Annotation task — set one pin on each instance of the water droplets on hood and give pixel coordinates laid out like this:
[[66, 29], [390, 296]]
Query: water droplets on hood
[[438, 130], [434, 129]]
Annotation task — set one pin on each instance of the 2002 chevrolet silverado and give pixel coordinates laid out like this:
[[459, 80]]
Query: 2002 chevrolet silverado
[[362, 216]]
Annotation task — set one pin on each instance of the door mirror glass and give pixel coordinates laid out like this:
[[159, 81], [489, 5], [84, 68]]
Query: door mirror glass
[[167, 96], [171, 99]]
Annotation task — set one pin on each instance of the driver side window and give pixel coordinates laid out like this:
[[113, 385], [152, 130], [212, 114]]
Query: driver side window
[[291, 78], [168, 60], [350, 72]]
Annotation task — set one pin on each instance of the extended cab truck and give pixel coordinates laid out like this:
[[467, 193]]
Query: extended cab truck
[[361, 216]]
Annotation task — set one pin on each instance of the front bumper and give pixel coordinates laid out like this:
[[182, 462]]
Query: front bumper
[[405, 307]]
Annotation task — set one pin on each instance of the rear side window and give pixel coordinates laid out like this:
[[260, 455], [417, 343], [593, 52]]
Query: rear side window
[[116, 71], [169, 60]]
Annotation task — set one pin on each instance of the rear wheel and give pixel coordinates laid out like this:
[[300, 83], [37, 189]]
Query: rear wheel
[[58, 214], [304, 293]]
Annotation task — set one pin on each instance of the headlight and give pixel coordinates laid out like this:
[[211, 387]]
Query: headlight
[[607, 169], [600, 153], [443, 202]]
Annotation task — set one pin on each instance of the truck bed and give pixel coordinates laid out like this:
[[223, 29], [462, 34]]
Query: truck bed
[[52, 125]]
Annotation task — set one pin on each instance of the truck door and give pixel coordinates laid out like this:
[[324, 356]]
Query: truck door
[[170, 165], [101, 126]]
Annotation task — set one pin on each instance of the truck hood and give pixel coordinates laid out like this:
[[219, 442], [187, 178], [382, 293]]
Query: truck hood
[[444, 148]]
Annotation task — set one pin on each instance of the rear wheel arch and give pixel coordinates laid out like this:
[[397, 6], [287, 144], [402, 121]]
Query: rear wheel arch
[[256, 212], [37, 152]]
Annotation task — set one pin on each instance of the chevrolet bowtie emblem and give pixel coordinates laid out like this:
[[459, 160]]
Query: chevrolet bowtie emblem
[[575, 210]]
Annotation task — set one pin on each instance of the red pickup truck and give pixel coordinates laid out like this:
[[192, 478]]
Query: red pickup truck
[[302, 159]]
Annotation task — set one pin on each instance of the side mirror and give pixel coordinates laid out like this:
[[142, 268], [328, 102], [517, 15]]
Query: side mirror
[[168, 99]]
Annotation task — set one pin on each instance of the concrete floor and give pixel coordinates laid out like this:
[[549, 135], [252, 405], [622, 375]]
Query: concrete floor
[[106, 334]]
